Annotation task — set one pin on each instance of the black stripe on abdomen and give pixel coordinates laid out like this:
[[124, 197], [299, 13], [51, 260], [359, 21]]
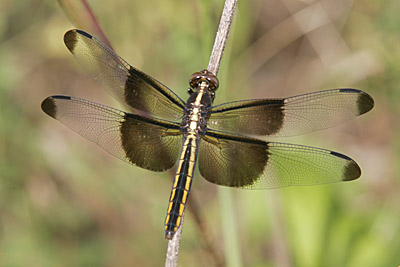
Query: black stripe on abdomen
[[180, 189]]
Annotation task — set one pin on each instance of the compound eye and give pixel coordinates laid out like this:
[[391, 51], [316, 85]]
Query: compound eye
[[212, 81], [195, 79], [204, 75], [190, 91]]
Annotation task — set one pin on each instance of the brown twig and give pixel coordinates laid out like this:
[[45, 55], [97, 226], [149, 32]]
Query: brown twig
[[213, 66], [222, 36]]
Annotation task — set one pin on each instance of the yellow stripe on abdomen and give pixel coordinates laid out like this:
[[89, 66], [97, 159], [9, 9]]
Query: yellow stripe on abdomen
[[181, 187]]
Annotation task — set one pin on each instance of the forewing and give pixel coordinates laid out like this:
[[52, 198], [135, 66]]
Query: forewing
[[147, 143], [254, 164], [290, 116], [128, 85]]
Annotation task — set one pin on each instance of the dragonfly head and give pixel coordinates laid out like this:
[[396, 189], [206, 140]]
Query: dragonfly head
[[203, 76]]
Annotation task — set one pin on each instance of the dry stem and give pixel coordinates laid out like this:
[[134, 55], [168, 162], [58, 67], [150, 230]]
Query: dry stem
[[213, 66]]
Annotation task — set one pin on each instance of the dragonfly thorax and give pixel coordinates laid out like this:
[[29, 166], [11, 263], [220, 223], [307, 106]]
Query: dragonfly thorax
[[194, 121]]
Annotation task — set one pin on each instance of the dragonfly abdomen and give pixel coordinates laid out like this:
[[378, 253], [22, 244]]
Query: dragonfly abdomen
[[181, 186]]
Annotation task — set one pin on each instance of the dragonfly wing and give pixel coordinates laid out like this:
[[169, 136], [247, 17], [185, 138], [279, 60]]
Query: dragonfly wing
[[127, 84], [290, 116], [148, 143], [243, 162]]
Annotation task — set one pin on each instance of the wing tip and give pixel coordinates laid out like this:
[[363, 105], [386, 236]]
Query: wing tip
[[49, 106], [365, 102], [352, 171], [71, 38]]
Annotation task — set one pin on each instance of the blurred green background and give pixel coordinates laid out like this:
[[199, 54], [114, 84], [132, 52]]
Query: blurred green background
[[66, 202]]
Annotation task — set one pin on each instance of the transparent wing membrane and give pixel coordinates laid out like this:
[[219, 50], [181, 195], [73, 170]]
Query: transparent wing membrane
[[250, 163], [128, 85], [290, 116], [148, 143]]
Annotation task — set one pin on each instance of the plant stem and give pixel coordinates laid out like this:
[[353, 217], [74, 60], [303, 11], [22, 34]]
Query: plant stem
[[222, 36], [213, 66]]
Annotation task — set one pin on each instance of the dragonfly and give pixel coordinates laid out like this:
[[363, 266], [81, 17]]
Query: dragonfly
[[162, 131]]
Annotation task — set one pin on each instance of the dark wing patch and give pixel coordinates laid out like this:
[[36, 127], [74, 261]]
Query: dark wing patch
[[128, 85], [231, 160], [147, 143], [290, 116], [365, 103], [49, 106], [250, 163]]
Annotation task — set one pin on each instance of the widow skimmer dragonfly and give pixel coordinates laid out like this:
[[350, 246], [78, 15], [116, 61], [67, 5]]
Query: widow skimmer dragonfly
[[163, 129]]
